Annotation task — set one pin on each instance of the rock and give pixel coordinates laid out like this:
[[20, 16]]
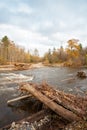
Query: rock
[[13, 125], [22, 126]]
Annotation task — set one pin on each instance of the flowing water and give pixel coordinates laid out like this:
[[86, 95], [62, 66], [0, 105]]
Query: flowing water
[[62, 78]]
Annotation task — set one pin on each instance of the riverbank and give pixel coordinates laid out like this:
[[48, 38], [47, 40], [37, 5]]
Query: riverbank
[[20, 66], [25, 66]]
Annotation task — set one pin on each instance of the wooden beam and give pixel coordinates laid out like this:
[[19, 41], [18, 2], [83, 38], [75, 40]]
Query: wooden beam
[[69, 115]]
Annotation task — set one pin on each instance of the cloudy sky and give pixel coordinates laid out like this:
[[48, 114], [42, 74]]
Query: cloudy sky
[[43, 24]]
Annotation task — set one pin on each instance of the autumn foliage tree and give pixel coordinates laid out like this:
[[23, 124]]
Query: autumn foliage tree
[[73, 52], [55, 56]]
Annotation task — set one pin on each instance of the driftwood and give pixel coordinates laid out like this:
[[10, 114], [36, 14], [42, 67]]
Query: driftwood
[[35, 117], [81, 74], [18, 98], [21, 66], [71, 102], [69, 79], [67, 102], [67, 105]]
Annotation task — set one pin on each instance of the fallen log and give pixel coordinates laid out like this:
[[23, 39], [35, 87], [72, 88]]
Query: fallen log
[[67, 114], [18, 98], [81, 74], [35, 117], [69, 79], [76, 104]]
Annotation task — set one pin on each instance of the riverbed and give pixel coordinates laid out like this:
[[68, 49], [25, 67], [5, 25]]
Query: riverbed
[[61, 78]]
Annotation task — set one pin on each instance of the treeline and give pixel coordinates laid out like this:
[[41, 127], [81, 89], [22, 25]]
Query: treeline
[[73, 55], [11, 53]]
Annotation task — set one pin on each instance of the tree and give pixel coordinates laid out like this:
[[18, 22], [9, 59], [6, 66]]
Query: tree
[[47, 57], [36, 53], [10, 53], [73, 48], [62, 54], [35, 56], [27, 57], [73, 52], [54, 56], [5, 45]]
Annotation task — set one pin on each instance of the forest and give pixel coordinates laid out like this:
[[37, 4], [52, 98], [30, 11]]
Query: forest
[[73, 55]]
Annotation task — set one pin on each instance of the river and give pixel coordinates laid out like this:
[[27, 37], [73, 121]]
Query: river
[[60, 77]]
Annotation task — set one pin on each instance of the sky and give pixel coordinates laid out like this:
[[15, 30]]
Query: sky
[[43, 24]]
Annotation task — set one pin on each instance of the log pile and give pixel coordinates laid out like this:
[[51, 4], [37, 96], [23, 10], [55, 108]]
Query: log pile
[[21, 66], [60, 108], [68, 106], [81, 74]]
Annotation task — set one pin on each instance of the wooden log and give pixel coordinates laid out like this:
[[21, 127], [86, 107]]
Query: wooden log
[[18, 98], [76, 104], [71, 102], [52, 105], [81, 74], [68, 79], [35, 117]]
